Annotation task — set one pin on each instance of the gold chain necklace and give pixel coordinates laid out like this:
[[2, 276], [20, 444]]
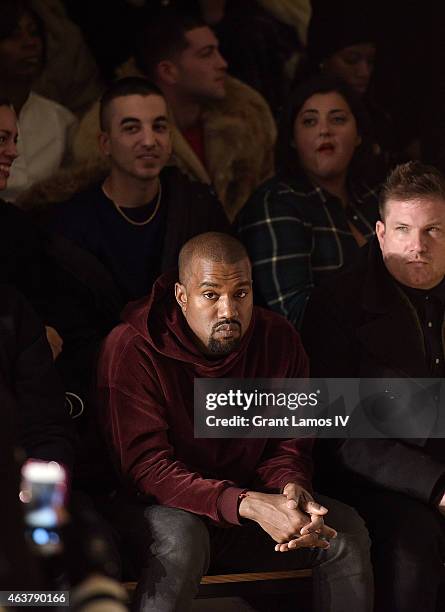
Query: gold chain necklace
[[121, 212]]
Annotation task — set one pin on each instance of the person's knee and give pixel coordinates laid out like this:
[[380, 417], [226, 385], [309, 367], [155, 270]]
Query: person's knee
[[352, 538], [345, 519], [179, 536]]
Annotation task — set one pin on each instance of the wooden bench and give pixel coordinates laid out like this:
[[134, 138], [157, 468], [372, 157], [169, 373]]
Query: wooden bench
[[251, 583]]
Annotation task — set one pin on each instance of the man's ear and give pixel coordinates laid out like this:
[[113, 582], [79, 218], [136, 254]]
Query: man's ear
[[380, 232], [167, 72], [104, 143], [181, 296]]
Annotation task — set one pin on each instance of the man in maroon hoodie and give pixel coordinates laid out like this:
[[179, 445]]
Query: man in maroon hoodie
[[205, 325]]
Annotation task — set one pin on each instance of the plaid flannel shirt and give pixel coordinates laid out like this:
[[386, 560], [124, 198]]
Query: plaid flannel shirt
[[296, 234]]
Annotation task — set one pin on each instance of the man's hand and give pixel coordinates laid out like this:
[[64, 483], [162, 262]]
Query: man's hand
[[299, 498], [54, 340], [283, 523], [441, 505]]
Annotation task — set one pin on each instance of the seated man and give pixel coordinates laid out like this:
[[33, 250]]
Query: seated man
[[205, 325], [383, 318], [136, 220], [223, 133]]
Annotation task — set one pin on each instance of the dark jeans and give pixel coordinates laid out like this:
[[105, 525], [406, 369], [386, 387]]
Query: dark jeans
[[175, 549], [408, 550]]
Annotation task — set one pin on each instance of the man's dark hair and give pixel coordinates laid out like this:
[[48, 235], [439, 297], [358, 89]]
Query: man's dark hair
[[5, 102], [213, 246], [411, 181], [286, 157], [161, 37], [129, 86]]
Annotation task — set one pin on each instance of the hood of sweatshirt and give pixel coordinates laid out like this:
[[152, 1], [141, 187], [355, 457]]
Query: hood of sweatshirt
[[161, 323]]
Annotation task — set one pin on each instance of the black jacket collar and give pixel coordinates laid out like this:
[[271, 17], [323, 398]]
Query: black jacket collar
[[392, 331]]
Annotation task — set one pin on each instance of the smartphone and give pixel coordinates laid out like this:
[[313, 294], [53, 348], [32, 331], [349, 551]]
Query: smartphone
[[43, 493]]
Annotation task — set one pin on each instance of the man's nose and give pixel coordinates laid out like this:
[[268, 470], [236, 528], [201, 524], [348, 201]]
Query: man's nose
[[148, 137], [227, 308], [418, 242], [221, 63]]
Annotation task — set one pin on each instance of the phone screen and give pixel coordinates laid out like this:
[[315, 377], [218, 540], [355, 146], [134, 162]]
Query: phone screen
[[43, 493]]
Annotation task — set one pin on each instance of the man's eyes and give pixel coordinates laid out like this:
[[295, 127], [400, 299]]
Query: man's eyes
[[431, 230], [157, 127], [207, 52], [211, 295]]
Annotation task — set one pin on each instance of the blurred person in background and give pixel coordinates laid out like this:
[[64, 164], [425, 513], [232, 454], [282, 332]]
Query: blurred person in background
[[341, 42], [261, 40], [70, 75], [46, 127]]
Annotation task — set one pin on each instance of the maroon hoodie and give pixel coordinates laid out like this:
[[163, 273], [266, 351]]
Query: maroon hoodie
[[145, 390]]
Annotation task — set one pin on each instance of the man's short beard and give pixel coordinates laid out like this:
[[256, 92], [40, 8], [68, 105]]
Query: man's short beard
[[226, 346], [218, 347]]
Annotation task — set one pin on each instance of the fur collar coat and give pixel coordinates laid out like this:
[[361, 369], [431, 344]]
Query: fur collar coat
[[239, 137]]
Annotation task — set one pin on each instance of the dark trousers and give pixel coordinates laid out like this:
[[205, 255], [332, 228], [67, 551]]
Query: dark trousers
[[174, 549], [408, 550]]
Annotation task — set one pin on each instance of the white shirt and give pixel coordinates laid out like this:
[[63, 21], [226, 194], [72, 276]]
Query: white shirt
[[44, 133]]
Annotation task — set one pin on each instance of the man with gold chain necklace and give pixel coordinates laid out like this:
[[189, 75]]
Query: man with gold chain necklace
[[137, 219]]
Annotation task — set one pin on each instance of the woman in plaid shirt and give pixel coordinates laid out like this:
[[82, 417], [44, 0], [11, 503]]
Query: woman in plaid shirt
[[309, 220]]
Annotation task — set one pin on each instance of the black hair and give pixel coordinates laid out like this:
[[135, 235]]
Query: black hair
[[286, 157], [162, 36], [127, 86]]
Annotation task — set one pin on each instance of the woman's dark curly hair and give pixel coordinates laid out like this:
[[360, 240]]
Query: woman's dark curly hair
[[287, 161]]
